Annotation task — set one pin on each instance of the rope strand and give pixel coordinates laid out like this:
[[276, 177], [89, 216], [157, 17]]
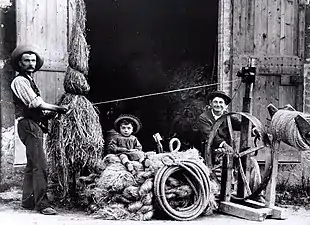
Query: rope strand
[[162, 93], [283, 128]]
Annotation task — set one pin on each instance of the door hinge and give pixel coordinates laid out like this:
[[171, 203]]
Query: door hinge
[[287, 80]]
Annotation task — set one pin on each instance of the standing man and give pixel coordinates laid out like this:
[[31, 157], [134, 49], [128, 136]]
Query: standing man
[[218, 103], [30, 111]]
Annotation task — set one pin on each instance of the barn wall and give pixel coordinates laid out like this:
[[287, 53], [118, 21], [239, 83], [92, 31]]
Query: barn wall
[[278, 22], [44, 24], [298, 174]]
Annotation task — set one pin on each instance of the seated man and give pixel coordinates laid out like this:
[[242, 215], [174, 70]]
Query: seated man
[[218, 103]]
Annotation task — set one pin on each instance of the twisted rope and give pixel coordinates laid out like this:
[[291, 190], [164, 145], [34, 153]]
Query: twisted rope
[[284, 128], [198, 179]]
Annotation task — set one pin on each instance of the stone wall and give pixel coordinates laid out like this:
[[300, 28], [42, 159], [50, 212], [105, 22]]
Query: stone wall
[[7, 44]]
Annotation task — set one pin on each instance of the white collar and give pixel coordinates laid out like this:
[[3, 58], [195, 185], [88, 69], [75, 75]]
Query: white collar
[[215, 116]]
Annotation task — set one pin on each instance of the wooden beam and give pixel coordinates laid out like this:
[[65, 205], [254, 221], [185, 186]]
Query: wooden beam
[[273, 65], [271, 187], [277, 212], [244, 212]]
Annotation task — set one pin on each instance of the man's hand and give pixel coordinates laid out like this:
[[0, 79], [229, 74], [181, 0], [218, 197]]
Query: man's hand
[[228, 148], [63, 109]]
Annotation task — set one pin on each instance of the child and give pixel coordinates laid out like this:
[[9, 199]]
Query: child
[[124, 141]]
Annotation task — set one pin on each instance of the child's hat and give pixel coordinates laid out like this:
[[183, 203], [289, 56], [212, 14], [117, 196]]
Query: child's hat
[[134, 119]]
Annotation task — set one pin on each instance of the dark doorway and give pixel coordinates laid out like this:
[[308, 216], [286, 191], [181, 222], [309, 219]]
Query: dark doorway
[[137, 46]]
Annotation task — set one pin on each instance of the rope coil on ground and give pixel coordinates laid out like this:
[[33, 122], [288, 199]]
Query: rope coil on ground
[[197, 176], [283, 128]]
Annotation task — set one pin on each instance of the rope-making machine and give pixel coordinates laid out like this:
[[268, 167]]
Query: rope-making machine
[[287, 125]]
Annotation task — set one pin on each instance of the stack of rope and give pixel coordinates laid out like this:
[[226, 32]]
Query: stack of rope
[[75, 139], [283, 128], [124, 190], [126, 187]]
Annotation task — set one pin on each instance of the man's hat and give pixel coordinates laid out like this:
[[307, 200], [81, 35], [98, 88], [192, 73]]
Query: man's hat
[[136, 122], [220, 94], [17, 53]]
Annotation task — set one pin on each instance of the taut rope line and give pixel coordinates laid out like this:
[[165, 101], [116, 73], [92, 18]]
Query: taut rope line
[[162, 93]]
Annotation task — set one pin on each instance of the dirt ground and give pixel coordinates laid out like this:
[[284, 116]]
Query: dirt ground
[[11, 213]]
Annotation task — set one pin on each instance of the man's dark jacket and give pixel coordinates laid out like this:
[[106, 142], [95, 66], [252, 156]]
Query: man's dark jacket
[[206, 122]]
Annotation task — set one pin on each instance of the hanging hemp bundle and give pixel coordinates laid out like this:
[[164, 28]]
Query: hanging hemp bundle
[[283, 128], [75, 139], [75, 82], [79, 51], [80, 14], [75, 143]]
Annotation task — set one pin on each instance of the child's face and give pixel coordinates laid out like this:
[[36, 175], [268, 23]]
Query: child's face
[[126, 129]]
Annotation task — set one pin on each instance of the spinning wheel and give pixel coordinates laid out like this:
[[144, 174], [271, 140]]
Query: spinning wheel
[[233, 161]]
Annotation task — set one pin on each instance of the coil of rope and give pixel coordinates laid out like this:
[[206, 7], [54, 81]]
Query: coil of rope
[[196, 174], [283, 128]]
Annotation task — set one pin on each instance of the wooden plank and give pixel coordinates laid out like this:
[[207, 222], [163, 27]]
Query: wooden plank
[[287, 95], [237, 39], [237, 27], [301, 52], [62, 30], [287, 27], [265, 92], [295, 27], [249, 27], [224, 44], [301, 29], [21, 13], [276, 213], [244, 212], [260, 31], [50, 33], [50, 85], [273, 36]]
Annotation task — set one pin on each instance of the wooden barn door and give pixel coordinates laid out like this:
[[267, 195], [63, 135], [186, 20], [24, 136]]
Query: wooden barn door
[[43, 23], [272, 31]]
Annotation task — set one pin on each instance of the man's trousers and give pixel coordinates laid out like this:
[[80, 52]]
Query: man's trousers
[[35, 177]]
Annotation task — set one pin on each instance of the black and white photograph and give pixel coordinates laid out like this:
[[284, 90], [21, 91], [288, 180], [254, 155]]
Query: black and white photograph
[[155, 112]]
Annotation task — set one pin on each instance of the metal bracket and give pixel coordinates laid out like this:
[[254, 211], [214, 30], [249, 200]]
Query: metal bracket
[[287, 80]]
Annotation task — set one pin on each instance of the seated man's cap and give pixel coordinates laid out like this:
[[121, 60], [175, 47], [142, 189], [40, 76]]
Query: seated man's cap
[[220, 94]]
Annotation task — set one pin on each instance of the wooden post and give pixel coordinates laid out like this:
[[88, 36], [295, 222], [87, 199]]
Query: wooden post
[[245, 131], [226, 178], [271, 187]]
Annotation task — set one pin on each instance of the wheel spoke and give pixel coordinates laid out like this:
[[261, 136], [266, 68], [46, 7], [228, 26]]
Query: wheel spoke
[[245, 182], [231, 131], [250, 151]]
